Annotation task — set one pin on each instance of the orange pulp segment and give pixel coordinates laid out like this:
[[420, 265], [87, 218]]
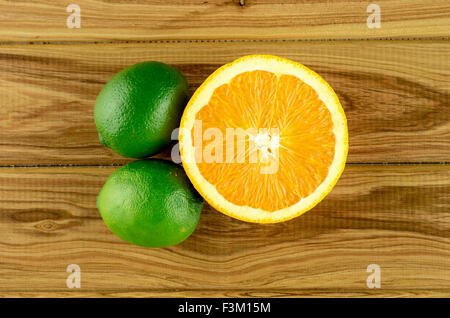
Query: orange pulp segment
[[261, 100]]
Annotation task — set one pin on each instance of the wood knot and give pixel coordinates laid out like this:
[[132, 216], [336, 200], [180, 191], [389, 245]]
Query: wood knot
[[47, 226]]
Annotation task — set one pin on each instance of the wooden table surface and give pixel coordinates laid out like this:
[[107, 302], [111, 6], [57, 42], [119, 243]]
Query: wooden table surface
[[391, 207]]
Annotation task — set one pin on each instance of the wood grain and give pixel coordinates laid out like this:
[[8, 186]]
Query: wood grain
[[397, 216], [212, 293], [113, 20], [396, 94]]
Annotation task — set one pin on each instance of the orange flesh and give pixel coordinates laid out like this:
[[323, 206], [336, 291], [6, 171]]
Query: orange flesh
[[287, 108]]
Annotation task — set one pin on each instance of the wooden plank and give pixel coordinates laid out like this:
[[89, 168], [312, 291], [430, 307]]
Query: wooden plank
[[396, 94], [396, 216], [45, 20]]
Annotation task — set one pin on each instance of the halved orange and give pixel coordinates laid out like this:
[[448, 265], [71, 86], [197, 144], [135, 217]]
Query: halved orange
[[264, 139]]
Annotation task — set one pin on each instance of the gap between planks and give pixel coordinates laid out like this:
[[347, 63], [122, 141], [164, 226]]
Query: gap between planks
[[223, 41], [120, 165]]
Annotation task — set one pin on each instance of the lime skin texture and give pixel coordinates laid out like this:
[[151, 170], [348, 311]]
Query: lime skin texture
[[137, 110], [150, 203]]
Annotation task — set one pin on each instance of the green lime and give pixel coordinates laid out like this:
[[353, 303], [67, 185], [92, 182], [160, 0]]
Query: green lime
[[137, 110], [150, 203]]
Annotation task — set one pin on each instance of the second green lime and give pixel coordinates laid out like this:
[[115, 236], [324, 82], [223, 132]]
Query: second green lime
[[150, 203], [137, 110]]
